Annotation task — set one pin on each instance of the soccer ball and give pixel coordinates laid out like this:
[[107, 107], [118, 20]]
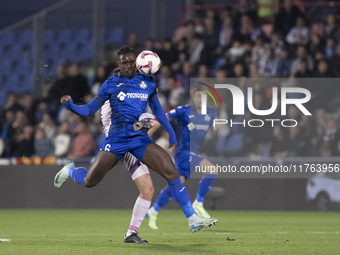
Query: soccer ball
[[148, 62]]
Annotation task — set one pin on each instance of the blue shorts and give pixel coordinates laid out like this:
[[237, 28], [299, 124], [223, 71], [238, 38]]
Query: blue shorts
[[186, 162], [119, 146]]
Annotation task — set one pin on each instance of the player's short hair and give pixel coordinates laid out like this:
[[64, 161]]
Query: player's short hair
[[125, 50]]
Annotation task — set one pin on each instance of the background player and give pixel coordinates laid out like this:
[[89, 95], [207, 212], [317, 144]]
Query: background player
[[129, 92], [191, 130]]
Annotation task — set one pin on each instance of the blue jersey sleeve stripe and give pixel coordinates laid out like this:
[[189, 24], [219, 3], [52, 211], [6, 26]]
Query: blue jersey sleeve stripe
[[100, 99]]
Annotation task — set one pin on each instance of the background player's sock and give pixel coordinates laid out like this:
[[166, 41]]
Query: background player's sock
[[181, 196], [163, 198], [138, 213], [204, 187], [77, 174]]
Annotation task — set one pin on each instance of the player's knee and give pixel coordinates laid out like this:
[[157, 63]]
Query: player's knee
[[89, 183], [147, 192]]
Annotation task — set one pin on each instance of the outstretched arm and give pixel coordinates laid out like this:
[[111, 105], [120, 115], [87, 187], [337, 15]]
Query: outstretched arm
[[83, 110], [158, 111]]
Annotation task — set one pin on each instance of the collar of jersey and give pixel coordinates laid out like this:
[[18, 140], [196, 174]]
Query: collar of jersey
[[120, 74]]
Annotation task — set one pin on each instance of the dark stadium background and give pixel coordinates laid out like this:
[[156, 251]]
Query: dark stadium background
[[49, 47]]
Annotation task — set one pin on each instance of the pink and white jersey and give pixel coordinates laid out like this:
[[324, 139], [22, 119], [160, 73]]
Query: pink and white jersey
[[132, 164]]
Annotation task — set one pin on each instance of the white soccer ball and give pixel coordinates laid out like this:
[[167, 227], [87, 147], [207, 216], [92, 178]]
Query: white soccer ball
[[148, 62]]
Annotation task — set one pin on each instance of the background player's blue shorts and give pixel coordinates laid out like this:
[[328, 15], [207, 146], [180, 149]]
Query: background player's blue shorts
[[119, 146], [186, 162]]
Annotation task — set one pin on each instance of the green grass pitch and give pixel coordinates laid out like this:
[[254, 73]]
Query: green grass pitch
[[101, 232]]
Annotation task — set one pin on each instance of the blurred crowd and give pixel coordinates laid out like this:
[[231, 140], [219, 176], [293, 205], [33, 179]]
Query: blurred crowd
[[226, 43]]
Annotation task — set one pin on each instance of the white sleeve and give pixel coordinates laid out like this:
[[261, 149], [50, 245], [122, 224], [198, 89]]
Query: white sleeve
[[106, 117]]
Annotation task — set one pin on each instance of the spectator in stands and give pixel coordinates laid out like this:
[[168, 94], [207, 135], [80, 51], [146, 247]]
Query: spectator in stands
[[330, 48], [258, 50], [133, 43], [43, 108], [315, 44], [335, 62], [59, 86], [286, 17], [176, 95], [111, 65], [184, 78], [303, 70], [26, 142], [332, 135], [248, 31], [199, 52], [163, 76], [99, 79], [236, 52], [307, 126], [254, 70], [150, 44], [203, 71], [19, 124], [211, 34], [245, 8], [268, 64], [283, 64], [226, 35], [301, 54], [29, 108], [298, 33], [276, 43], [47, 124], [11, 104], [332, 29], [238, 71], [77, 86], [83, 143], [168, 54], [323, 70], [280, 145], [296, 141], [325, 150], [220, 73], [62, 141], [8, 134], [42, 144]]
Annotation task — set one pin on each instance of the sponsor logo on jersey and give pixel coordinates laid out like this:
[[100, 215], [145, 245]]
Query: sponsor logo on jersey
[[142, 96], [143, 85], [191, 116], [121, 96]]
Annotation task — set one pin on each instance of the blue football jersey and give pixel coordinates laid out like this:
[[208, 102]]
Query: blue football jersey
[[128, 100], [192, 127]]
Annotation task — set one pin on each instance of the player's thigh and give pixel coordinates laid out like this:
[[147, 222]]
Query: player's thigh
[[145, 186], [156, 158], [102, 164], [206, 164]]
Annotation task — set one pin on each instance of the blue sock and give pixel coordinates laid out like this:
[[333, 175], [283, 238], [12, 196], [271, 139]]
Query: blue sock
[[163, 198], [77, 174], [204, 187], [180, 194]]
